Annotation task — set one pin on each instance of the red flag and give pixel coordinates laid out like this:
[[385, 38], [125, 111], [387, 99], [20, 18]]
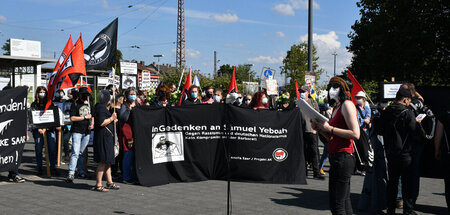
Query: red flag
[[356, 86], [64, 54], [67, 83], [296, 89], [185, 91], [232, 88], [73, 63]]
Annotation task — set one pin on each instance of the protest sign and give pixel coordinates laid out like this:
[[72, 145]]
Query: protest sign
[[51, 118], [13, 127], [190, 143]]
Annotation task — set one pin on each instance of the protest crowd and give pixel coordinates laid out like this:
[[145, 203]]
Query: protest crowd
[[383, 142], [109, 121]]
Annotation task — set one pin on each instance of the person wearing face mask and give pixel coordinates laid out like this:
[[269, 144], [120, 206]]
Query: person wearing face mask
[[247, 100], [310, 135], [364, 112], [58, 101], [239, 100], [259, 101], [40, 100], [340, 131], [218, 95], [194, 96], [209, 94], [399, 128], [126, 137], [163, 97], [81, 115]]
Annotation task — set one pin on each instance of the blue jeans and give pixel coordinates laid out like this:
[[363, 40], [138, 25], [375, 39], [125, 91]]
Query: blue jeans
[[128, 166], [324, 157], [39, 145], [79, 143]]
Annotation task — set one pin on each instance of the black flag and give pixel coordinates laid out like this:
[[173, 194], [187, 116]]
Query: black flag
[[102, 50]]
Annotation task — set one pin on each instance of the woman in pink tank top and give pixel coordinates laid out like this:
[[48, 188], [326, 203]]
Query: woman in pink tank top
[[341, 130]]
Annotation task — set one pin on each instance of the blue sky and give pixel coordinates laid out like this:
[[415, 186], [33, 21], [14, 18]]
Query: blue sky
[[257, 32]]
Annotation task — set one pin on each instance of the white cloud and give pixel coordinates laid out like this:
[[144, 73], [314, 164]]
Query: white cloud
[[280, 34], [3, 19], [105, 4], [326, 45], [226, 17], [192, 53], [72, 22], [289, 8], [265, 59], [284, 10]]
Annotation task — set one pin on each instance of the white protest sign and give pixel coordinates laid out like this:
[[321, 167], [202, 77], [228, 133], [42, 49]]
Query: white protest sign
[[39, 117], [146, 80], [128, 68], [272, 87]]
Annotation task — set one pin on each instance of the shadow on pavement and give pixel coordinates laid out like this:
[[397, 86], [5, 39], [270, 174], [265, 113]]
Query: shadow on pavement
[[313, 199], [429, 209], [61, 183]]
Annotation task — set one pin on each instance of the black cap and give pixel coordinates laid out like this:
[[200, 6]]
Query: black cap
[[303, 88], [84, 90], [403, 93]]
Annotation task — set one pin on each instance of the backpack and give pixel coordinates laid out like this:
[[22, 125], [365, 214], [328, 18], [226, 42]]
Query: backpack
[[363, 150]]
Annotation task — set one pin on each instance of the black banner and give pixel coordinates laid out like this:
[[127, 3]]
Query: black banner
[[13, 127], [190, 143]]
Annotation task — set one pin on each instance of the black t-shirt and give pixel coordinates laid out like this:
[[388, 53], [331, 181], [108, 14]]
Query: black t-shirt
[[81, 109]]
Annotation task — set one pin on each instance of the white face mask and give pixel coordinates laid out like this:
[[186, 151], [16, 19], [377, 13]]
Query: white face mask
[[247, 102], [334, 93], [264, 101], [359, 101], [41, 95]]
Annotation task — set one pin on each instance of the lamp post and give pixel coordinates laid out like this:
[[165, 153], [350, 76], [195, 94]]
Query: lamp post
[[158, 56], [334, 63], [250, 66]]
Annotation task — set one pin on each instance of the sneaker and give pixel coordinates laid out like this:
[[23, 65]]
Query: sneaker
[[17, 179], [363, 173], [70, 178], [128, 182], [319, 177], [322, 172], [82, 176]]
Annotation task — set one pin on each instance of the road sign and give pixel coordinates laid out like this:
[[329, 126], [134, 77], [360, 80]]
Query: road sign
[[268, 73]]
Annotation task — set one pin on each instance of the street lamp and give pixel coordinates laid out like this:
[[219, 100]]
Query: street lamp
[[250, 66], [158, 56], [334, 62]]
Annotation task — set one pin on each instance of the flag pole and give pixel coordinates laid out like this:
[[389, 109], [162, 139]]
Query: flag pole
[[114, 100], [181, 77]]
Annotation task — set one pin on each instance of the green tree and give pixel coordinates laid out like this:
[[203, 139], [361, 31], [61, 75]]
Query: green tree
[[6, 48], [295, 65], [243, 73], [408, 40]]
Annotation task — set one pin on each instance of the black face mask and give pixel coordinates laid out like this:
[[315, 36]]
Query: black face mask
[[209, 95]]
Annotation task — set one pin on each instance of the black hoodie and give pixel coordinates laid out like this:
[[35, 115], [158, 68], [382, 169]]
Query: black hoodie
[[399, 129]]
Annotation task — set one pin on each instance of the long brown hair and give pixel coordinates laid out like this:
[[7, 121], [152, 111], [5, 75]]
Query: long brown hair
[[36, 95]]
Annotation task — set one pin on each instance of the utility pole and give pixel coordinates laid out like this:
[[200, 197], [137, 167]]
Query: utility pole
[[215, 64], [334, 63], [181, 42], [310, 36]]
